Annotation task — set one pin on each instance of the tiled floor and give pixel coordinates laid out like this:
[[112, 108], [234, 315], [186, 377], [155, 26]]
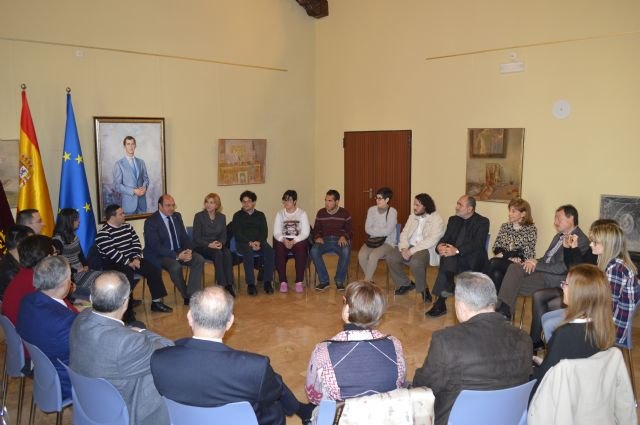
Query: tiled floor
[[286, 327]]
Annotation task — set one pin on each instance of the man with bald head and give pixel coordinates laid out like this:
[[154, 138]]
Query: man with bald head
[[103, 347], [202, 371], [167, 245], [462, 248]]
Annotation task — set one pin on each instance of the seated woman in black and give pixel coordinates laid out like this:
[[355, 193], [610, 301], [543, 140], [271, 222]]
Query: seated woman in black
[[587, 327], [360, 360]]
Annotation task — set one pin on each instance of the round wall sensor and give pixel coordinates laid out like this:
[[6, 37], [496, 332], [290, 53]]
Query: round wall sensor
[[561, 109]]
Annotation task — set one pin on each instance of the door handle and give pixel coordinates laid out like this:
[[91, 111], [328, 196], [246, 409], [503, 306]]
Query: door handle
[[370, 192]]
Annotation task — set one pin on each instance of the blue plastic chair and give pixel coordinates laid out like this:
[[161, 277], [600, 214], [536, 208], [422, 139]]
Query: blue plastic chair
[[96, 401], [13, 364], [498, 407], [240, 413], [326, 412], [47, 393]]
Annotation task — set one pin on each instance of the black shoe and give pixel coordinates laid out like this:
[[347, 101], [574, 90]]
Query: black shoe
[[504, 309], [133, 303], [252, 290], [186, 301], [322, 286], [426, 296], [229, 289], [160, 307], [128, 317], [404, 289], [537, 346], [340, 286], [438, 309], [268, 288]]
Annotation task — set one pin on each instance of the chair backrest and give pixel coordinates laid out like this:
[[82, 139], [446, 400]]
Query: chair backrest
[[240, 413], [96, 401], [190, 232], [14, 354], [326, 412], [94, 259], [398, 231], [480, 407], [47, 393]]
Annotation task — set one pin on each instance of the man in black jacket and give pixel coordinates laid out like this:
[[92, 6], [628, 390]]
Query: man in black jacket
[[483, 352], [462, 248]]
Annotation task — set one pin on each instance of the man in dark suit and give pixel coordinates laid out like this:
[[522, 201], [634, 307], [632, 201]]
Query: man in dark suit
[[102, 347], [545, 272], [45, 319], [202, 371], [483, 352], [131, 179], [167, 245], [462, 248]]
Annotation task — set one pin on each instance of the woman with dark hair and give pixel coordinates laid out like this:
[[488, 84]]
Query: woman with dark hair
[[66, 243], [370, 361], [290, 233], [587, 327], [210, 239], [516, 241], [31, 250], [380, 226]]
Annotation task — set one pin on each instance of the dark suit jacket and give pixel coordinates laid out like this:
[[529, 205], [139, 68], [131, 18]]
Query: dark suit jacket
[[557, 264], [207, 374], [46, 323], [104, 348], [157, 241], [484, 353], [473, 249]]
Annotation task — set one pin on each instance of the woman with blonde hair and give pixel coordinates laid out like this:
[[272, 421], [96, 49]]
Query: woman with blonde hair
[[516, 241], [587, 327], [360, 360], [210, 240]]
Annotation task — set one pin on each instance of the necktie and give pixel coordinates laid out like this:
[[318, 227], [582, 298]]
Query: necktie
[[135, 169], [553, 250], [172, 231]]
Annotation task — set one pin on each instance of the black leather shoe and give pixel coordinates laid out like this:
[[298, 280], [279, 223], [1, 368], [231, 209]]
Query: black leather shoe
[[134, 303], [438, 309], [252, 290], [504, 310], [186, 301], [404, 289], [160, 307], [426, 296], [229, 289], [268, 288]]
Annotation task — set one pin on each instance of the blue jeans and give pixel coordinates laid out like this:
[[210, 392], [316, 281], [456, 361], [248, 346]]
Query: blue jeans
[[331, 245]]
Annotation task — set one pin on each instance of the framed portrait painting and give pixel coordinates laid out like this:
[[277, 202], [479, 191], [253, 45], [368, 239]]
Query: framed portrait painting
[[130, 163], [494, 163]]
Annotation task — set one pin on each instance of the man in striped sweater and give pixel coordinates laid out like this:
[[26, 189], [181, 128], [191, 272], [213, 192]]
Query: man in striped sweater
[[120, 249]]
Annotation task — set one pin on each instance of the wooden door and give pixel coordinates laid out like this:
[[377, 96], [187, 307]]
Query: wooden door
[[373, 159]]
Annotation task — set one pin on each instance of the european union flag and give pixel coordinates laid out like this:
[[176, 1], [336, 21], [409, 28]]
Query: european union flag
[[74, 190]]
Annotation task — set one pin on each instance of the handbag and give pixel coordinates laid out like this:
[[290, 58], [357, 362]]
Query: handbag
[[375, 241]]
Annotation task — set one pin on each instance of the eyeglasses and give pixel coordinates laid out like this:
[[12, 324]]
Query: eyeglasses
[[380, 198]]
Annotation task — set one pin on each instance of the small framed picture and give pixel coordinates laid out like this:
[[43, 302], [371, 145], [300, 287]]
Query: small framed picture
[[130, 163]]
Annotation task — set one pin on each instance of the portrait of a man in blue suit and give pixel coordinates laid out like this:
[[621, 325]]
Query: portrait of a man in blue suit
[[130, 179]]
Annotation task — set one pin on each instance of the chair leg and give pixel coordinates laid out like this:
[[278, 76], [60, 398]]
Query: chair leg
[[32, 412], [59, 418], [20, 400], [524, 304], [5, 382]]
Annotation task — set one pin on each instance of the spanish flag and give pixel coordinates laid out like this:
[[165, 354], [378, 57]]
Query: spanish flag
[[33, 191]]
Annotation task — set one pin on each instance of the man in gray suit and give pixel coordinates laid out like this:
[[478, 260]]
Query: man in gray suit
[[102, 347], [131, 179]]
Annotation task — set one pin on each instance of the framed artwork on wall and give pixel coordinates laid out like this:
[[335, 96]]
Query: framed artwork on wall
[[242, 161], [130, 164], [494, 163], [626, 211]]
